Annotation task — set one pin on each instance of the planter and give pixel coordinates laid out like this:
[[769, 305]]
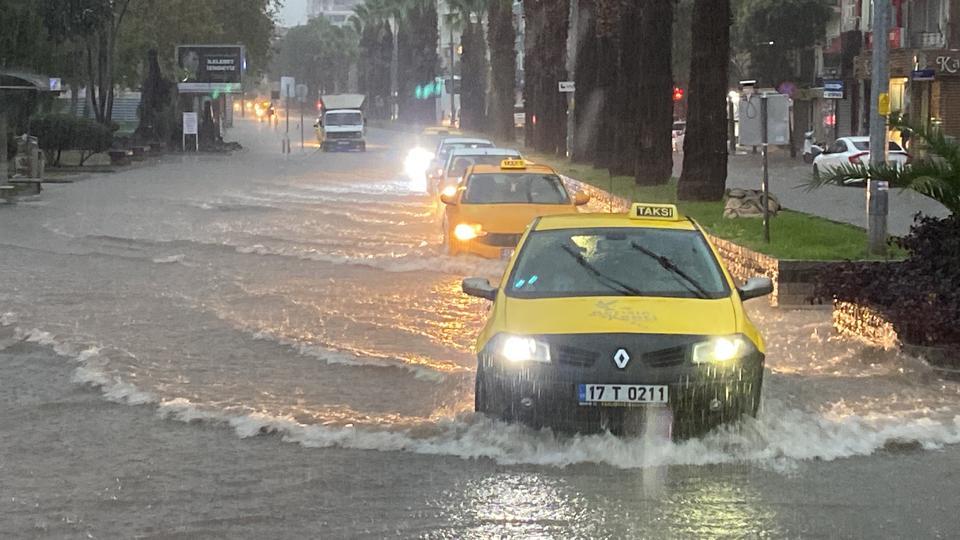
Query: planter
[[868, 324]]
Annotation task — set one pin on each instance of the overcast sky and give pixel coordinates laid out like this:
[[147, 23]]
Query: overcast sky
[[294, 12]]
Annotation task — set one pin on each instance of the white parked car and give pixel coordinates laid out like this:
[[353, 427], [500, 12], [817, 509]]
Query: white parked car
[[678, 134], [855, 151]]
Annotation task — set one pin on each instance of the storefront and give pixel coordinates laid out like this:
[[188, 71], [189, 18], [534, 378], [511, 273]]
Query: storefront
[[924, 87]]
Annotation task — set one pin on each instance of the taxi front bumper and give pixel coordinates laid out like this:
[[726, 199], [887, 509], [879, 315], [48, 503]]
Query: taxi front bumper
[[547, 394], [493, 245]]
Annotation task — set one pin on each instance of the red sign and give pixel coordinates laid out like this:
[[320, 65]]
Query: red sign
[[895, 38]]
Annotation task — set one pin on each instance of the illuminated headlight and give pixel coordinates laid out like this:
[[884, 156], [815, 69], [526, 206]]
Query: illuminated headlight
[[466, 231], [720, 350], [449, 191], [523, 349]]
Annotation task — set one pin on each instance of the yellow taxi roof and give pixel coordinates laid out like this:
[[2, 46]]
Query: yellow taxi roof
[[607, 220], [530, 168]]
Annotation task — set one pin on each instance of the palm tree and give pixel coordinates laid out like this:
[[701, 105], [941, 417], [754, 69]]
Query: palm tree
[[937, 176], [501, 37], [370, 20], [654, 116], [587, 99], [607, 13], [467, 15], [704, 174], [544, 67], [417, 60]]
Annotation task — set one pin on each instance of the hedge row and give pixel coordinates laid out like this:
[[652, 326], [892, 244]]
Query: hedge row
[[919, 296], [58, 132]]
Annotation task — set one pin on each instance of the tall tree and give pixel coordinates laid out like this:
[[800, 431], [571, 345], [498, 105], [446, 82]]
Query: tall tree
[[375, 53], [95, 23], [654, 116], [627, 98], [588, 100], [608, 55], [417, 58], [468, 16], [544, 67], [704, 174], [501, 37]]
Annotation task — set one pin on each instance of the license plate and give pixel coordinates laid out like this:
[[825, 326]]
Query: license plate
[[622, 394], [506, 253]]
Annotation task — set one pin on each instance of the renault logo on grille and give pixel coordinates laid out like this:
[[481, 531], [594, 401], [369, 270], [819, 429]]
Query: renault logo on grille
[[621, 358]]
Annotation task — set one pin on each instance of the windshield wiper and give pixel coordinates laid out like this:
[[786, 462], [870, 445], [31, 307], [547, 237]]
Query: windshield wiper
[[603, 279], [670, 266]]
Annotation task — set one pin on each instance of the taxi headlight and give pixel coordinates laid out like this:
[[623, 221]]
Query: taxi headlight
[[449, 191], [467, 231], [722, 349], [523, 349]]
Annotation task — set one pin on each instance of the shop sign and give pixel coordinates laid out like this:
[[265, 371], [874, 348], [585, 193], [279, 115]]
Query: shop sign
[[948, 64], [923, 75]]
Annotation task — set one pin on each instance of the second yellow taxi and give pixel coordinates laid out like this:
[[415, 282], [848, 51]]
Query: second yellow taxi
[[488, 211]]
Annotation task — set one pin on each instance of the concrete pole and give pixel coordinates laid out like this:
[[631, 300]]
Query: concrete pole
[[765, 199], [4, 175], [394, 69], [877, 201], [573, 37], [453, 79]]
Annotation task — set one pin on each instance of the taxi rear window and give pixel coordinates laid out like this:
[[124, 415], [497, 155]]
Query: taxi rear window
[[507, 188], [633, 261]]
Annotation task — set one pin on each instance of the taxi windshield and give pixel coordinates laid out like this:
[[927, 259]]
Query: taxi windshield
[[617, 262], [527, 188], [460, 164]]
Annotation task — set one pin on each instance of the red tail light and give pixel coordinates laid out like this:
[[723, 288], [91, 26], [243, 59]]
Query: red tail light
[[855, 159]]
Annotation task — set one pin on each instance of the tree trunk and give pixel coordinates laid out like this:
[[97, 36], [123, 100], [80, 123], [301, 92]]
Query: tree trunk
[[544, 68], [586, 96], [654, 149], [501, 37], [704, 174], [473, 76], [608, 15], [627, 94]]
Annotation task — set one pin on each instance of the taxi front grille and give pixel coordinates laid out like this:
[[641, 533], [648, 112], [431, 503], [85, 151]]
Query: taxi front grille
[[673, 356], [500, 239], [575, 356]]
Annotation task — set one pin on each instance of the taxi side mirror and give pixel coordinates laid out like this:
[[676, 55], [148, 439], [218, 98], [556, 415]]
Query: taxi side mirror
[[448, 199], [581, 198], [479, 287], [755, 288]]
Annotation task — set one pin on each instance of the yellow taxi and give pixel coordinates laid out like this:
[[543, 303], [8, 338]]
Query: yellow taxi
[[489, 210], [601, 318]]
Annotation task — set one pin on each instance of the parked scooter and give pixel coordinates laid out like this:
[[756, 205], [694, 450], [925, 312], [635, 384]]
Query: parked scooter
[[811, 149]]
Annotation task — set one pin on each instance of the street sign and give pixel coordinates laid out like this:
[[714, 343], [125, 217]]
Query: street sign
[[288, 87], [55, 84], [567, 87], [923, 75], [189, 123], [302, 93], [833, 89]]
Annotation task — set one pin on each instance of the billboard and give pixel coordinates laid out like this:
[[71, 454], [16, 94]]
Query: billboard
[[210, 63]]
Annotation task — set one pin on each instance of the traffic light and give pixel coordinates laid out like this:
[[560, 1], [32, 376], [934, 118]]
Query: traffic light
[[677, 93]]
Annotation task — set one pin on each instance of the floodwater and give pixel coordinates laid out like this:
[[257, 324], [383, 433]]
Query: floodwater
[[265, 346]]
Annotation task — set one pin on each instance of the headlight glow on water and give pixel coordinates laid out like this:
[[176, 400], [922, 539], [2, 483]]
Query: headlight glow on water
[[524, 349], [721, 349], [415, 167]]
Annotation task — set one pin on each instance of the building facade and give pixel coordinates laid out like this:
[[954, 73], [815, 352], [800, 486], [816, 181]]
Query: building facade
[[337, 12]]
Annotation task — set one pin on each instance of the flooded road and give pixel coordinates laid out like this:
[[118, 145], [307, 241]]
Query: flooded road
[[260, 346]]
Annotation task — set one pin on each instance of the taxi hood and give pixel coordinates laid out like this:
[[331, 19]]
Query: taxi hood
[[509, 218], [620, 314]]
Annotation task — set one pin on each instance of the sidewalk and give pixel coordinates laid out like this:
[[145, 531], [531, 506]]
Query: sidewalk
[[845, 204]]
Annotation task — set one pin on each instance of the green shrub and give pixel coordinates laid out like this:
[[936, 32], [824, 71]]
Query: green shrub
[[58, 132]]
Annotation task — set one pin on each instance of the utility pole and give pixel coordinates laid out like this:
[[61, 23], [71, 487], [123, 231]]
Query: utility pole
[[764, 140], [572, 42], [877, 194], [453, 79], [394, 69]]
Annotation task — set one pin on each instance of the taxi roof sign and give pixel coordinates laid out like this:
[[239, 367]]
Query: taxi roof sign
[[663, 212], [513, 164]]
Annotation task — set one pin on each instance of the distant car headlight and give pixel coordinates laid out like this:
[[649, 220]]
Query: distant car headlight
[[467, 231], [720, 350], [522, 349]]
